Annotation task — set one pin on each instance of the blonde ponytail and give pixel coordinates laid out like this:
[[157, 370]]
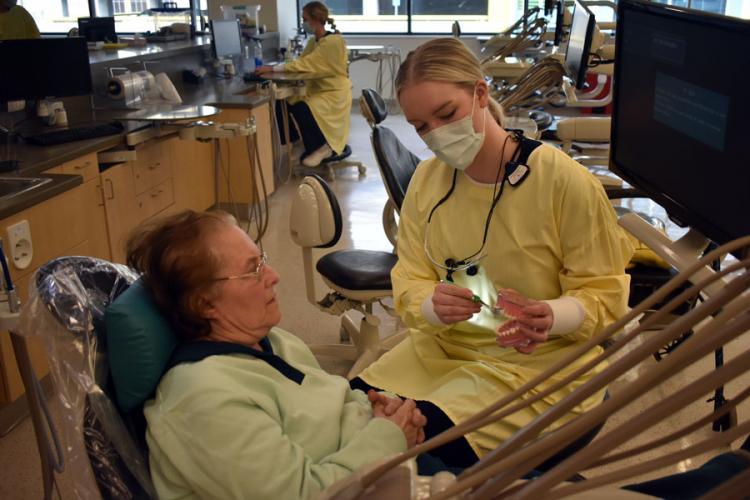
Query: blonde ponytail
[[445, 60]]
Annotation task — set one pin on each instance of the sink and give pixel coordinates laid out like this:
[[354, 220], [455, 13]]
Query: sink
[[11, 187]]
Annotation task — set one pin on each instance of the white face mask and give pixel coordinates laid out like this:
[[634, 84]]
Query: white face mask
[[457, 143], [308, 29]]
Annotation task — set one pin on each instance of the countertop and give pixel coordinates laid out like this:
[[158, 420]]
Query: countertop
[[59, 184], [34, 160]]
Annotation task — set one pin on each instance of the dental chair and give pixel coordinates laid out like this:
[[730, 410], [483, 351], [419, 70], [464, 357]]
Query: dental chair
[[396, 162], [504, 472], [104, 446], [358, 278]]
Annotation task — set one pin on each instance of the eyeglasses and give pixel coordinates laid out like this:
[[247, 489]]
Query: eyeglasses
[[257, 274]]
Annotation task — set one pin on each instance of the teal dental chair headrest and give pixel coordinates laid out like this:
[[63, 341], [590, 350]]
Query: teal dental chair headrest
[[140, 342]]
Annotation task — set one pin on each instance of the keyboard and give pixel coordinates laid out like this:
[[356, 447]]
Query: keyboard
[[253, 78], [53, 137]]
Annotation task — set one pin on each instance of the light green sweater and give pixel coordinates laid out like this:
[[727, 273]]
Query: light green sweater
[[232, 426]]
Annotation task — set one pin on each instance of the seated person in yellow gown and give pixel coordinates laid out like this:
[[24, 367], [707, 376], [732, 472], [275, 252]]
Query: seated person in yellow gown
[[16, 22], [322, 115], [492, 212], [244, 410]]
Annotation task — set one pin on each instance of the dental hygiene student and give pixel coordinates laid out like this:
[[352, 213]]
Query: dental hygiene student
[[503, 219], [322, 115], [16, 22]]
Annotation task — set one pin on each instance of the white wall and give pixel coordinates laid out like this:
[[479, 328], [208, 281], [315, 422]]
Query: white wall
[[277, 15], [363, 73]]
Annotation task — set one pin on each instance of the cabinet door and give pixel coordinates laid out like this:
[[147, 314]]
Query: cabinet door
[[96, 222], [234, 176], [238, 156], [119, 203], [194, 178], [265, 146]]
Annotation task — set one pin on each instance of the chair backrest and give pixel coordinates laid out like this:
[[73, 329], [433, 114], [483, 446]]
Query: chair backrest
[[77, 291], [315, 220], [373, 107], [396, 162]]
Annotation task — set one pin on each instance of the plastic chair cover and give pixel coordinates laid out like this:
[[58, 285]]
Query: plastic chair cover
[[65, 310]]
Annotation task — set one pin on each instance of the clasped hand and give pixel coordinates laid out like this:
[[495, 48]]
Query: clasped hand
[[403, 413], [528, 327]]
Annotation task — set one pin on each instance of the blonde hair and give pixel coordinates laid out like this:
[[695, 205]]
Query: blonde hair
[[319, 12], [445, 60]]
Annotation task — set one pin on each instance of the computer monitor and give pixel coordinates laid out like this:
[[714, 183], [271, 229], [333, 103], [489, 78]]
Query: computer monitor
[[227, 40], [579, 44], [679, 123], [44, 67], [559, 22], [97, 29]]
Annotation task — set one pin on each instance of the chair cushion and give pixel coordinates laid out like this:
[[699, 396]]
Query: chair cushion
[[376, 104], [396, 163], [358, 269], [140, 342]]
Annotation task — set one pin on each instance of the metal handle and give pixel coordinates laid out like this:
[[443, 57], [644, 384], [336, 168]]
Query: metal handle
[[111, 189], [101, 194]]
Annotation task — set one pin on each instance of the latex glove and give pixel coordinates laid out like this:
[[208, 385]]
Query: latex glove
[[453, 303], [530, 323]]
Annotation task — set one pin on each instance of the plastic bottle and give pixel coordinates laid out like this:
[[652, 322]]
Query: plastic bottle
[[258, 54]]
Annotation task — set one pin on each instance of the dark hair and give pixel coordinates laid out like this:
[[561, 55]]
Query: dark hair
[[178, 264]]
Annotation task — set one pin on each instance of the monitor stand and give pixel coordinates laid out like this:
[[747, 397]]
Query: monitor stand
[[680, 254]]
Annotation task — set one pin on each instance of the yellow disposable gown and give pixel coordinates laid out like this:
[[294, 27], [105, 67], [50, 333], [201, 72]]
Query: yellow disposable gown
[[330, 97], [555, 234], [16, 24]]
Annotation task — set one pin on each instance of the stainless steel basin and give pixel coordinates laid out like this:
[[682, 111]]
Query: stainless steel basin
[[11, 187]]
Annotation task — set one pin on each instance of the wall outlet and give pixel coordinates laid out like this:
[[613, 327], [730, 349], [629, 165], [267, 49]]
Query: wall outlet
[[19, 244]]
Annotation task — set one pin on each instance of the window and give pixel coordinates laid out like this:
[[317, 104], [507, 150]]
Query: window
[[427, 16], [131, 16], [56, 16]]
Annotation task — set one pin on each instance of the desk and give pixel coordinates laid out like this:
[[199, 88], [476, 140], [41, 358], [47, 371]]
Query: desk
[[385, 55]]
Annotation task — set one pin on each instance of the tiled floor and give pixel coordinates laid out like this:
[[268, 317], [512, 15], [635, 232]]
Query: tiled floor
[[361, 200]]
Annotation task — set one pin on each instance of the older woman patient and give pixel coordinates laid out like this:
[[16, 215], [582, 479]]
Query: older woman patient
[[244, 410]]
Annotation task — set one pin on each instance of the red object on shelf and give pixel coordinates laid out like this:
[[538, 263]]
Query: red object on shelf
[[591, 79]]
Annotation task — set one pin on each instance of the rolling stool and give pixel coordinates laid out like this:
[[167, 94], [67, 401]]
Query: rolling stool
[[331, 164]]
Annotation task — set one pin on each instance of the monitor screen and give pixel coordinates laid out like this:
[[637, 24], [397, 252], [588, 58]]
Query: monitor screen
[[44, 67], [579, 44], [679, 125], [227, 40], [97, 29]]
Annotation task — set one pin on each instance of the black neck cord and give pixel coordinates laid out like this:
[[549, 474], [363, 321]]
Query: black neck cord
[[495, 199]]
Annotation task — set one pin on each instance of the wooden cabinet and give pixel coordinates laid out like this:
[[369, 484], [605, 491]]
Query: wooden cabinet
[[57, 228], [194, 178], [93, 202], [119, 200], [137, 190], [238, 157]]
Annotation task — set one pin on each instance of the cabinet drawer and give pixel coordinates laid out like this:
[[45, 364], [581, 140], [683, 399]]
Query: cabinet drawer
[[148, 175], [86, 166], [155, 199], [153, 165]]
